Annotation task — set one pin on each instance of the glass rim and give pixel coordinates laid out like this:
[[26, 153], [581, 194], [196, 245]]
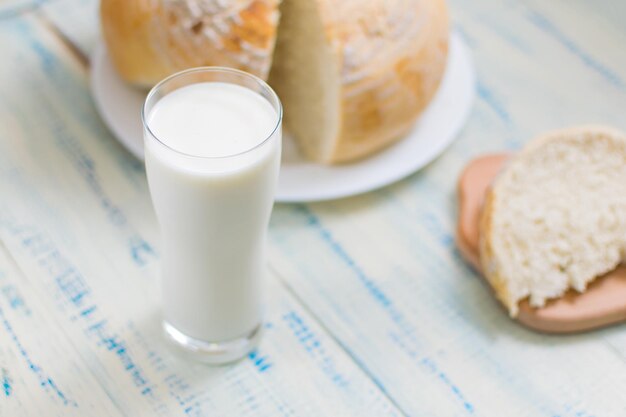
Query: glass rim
[[215, 69]]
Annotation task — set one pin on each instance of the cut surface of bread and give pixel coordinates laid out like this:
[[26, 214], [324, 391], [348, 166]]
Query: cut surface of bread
[[305, 75], [555, 218], [354, 76], [604, 301]]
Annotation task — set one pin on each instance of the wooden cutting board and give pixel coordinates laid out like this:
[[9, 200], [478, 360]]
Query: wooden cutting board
[[603, 303]]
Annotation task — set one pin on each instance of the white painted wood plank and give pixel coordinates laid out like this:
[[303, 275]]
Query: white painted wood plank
[[12, 8], [76, 218], [77, 20], [532, 78]]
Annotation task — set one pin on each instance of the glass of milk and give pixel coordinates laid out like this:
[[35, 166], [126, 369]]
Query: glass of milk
[[212, 140]]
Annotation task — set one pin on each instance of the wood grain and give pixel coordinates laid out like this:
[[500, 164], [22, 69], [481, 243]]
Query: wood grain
[[368, 289]]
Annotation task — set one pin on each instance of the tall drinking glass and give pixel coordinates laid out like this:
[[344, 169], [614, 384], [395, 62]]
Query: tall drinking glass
[[212, 140]]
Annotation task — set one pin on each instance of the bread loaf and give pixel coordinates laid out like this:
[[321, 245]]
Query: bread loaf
[[555, 218], [149, 40], [353, 75]]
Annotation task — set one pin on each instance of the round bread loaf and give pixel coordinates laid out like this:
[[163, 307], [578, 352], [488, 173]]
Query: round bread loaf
[[555, 218], [353, 75], [149, 40]]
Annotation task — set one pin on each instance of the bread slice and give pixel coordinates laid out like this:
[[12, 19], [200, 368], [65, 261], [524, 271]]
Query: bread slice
[[149, 40], [555, 218], [354, 76]]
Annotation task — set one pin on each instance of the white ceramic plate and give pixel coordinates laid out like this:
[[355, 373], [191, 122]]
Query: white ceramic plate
[[300, 180]]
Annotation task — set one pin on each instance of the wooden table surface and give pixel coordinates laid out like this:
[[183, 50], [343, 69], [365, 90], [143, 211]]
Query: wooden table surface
[[371, 311]]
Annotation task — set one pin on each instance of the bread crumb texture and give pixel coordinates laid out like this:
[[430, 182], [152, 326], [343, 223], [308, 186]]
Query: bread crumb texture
[[555, 218]]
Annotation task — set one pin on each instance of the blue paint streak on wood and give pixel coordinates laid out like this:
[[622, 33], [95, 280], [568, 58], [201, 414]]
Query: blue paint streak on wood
[[261, 362], [489, 97], [374, 290], [7, 387], [438, 230], [314, 347], [549, 28], [328, 238], [86, 166], [73, 286], [572, 411], [87, 311], [430, 365], [583, 414], [15, 299], [115, 344], [178, 389], [77, 294], [385, 301], [141, 251], [45, 381], [176, 383]]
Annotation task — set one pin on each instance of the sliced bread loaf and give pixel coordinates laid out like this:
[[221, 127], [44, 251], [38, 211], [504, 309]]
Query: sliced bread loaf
[[555, 218], [355, 75]]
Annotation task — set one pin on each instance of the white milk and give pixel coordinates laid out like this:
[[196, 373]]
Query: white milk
[[213, 212]]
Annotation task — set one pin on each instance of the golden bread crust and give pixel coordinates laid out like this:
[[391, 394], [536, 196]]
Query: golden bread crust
[[151, 39], [394, 57]]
